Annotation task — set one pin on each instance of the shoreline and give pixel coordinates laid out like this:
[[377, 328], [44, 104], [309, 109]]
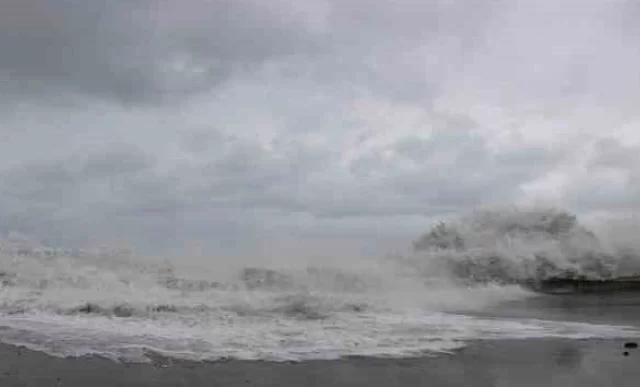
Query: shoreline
[[533, 362]]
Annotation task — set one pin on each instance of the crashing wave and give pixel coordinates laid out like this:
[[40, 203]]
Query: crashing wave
[[168, 279], [520, 246], [261, 278], [122, 310]]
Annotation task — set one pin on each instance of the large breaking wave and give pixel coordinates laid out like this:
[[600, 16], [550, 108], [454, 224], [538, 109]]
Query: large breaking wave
[[69, 302], [511, 246]]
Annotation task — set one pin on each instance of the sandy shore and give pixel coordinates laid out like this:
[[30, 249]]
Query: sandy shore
[[490, 363]]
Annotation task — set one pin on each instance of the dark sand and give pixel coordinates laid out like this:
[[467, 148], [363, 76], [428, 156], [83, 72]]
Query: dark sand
[[489, 363]]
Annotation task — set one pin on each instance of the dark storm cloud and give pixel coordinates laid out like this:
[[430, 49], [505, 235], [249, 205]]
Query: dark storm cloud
[[313, 115], [73, 45], [136, 50], [155, 49]]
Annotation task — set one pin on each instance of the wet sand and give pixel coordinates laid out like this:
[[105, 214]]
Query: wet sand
[[610, 309], [547, 362]]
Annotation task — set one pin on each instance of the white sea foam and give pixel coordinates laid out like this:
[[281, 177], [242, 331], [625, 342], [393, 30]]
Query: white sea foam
[[278, 338], [123, 307]]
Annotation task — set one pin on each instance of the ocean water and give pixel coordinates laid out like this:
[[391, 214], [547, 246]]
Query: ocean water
[[428, 301]]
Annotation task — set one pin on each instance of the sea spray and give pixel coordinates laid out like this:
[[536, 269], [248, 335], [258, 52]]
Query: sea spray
[[123, 306], [511, 246]]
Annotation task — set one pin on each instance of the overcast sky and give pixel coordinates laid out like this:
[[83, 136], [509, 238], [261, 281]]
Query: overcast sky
[[249, 125]]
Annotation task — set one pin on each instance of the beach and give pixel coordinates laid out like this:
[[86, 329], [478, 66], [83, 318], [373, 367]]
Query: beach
[[536, 362], [518, 339], [94, 320]]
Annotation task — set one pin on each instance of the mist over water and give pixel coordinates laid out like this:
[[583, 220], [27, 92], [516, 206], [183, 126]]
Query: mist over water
[[113, 303]]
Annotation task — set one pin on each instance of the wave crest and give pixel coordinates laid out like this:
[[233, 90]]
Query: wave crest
[[517, 245]]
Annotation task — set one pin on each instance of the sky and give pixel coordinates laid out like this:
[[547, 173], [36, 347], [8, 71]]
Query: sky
[[325, 126]]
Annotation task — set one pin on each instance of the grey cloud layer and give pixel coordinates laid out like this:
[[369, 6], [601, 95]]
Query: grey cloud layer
[[91, 47], [126, 49], [307, 115], [129, 49], [227, 182]]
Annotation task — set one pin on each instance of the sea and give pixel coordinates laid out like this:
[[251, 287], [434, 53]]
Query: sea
[[460, 282]]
